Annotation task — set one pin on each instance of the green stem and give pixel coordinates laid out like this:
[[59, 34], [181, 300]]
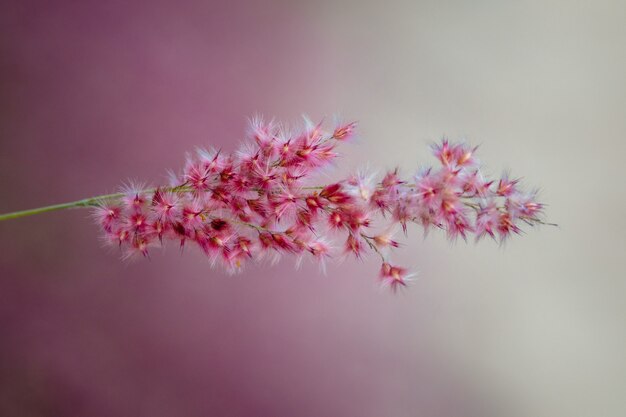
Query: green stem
[[87, 202], [94, 201]]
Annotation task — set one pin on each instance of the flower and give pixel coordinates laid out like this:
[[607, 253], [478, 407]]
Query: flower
[[344, 131], [394, 277], [261, 202]]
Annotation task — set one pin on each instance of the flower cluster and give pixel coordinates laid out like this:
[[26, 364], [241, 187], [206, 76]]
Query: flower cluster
[[260, 202]]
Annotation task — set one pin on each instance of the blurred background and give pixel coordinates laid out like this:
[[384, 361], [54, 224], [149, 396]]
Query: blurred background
[[94, 93]]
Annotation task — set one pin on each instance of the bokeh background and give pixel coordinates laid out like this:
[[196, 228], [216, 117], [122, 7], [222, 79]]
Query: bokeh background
[[96, 92]]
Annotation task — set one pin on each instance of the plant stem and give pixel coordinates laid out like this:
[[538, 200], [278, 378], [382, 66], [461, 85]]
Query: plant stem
[[94, 201], [87, 202]]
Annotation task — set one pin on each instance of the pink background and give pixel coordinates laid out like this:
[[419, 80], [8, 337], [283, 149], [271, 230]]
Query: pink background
[[94, 93]]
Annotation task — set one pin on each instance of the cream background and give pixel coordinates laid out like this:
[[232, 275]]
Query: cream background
[[538, 325]]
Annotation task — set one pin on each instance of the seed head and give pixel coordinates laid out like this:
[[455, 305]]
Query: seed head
[[262, 202]]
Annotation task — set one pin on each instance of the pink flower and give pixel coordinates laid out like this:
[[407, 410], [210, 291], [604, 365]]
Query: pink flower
[[506, 186], [385, 240], [262, 202], [394, 277], [487, 220], [106, 216], [344, 131]]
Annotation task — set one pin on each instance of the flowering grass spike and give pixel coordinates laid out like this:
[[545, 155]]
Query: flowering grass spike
[[262, 202]]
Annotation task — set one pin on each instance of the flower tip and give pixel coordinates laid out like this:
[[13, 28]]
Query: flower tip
[[345, 131]]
